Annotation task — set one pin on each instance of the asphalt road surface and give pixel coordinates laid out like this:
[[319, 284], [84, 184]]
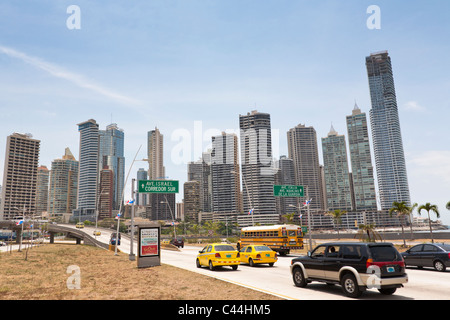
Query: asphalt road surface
[[426, 284]]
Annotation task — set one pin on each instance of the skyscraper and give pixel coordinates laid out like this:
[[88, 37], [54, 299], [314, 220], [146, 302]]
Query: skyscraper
[[191, 201], [285, 176], [112, 157], [335, 163], [42, 190], [303, 150], [226, 195], [361, 161], [63, 185], [162, 205], [141, 198], [257, 165], [201, 171], [20, 176], [88, 170], [155, 155], [386, 133]]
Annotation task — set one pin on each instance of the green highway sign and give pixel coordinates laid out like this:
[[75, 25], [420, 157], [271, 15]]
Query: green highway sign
[[158, 186], [288, 191]]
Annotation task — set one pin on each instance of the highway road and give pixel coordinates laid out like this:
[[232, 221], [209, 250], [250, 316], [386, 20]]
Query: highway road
[[425, 284]]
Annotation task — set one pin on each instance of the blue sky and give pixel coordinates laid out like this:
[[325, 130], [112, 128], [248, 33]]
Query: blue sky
[[194, 65]]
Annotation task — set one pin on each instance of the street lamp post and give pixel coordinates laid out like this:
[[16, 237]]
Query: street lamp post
[[171, 213], [248, 195], [132, 256], [121, 201], [309, 217]]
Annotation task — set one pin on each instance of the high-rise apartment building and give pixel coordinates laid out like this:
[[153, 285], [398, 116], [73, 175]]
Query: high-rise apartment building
[[201, 171], [303, 150], [88, 170], [42, 190], [386, 134], [336, 174], [106, 195], [20, 176], [162, 206], [141, 198], [155, 155], [285, 176], [63, 185], [257, 165], [111, 150], [191, 201], [361, 161], [226, 195]]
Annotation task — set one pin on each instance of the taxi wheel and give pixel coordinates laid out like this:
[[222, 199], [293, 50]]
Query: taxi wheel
[[250, 261], [271, 264], [197, 262], [234, 267], [211, 267]]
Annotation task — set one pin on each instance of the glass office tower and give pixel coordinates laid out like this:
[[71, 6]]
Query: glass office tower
[[386, 133]]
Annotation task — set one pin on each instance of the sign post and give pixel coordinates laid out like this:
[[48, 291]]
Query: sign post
[[149, 249]]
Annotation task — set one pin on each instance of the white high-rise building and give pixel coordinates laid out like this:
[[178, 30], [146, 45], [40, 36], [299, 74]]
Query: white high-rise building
[[386, 133], [20, 176]]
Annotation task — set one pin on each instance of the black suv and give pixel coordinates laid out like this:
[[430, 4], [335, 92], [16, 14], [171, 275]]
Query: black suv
[[178, 242], [355, 266]]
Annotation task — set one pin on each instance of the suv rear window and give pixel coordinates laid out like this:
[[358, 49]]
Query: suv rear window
[[384, 253]]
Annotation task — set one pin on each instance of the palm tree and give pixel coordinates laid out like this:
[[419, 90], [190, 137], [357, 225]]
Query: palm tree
[[337, 218], [289, 217], [402, 210], [430, 207], [368, 229], [411, 218]]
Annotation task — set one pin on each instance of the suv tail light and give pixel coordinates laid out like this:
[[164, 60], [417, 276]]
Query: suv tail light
[[217, 255], [370, 262], [258, 256]]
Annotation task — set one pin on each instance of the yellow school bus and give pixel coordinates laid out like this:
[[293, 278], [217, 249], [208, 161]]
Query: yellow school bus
[[279, 238]]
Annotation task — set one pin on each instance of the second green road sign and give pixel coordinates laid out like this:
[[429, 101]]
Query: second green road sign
[[288, 191]]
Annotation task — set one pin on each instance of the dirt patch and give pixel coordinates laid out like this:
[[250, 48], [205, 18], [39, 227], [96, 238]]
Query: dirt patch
[[104, 276]]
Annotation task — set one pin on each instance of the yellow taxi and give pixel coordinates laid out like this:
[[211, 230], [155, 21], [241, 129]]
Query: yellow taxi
[[256, 254], [218, 255], [97, 233], [79, 225]]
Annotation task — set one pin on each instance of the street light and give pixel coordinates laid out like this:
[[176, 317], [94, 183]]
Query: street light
[[248, 194], [121, 201], [171, 213]]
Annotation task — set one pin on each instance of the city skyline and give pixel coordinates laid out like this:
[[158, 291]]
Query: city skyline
[[300, 62]]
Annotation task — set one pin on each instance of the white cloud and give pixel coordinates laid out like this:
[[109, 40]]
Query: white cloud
[[74, 78], [414, 106]]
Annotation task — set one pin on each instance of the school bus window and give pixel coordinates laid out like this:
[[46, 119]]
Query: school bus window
[[292, 233]]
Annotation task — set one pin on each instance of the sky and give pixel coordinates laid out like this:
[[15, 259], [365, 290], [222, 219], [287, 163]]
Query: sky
[[191, 67]]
